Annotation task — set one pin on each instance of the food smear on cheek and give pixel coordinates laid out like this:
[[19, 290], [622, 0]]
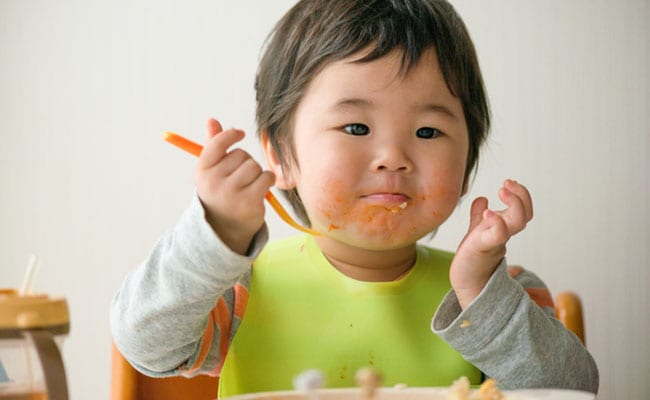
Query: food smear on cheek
[[330, 204], [339, 211], [444, 199]]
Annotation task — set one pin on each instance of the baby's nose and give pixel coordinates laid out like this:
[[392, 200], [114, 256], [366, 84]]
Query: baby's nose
[[392, 158]]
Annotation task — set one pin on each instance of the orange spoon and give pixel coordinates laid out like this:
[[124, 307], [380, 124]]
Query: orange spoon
[[195, 148]]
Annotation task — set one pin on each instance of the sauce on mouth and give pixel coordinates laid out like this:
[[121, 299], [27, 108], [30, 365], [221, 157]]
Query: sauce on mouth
[[373, 217], [376, 213]]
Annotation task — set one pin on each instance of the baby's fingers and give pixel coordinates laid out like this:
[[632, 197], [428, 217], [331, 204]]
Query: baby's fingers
[[216, 148], [522, 193], [493, 231], [212, 127], [479, 205], [518, 213], [260, 185], [246, 174], [514, 215]]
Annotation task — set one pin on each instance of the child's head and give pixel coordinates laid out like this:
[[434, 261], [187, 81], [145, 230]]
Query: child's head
[[316, 33]]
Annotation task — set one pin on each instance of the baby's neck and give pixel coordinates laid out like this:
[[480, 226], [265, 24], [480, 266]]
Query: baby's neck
[[368, 265]]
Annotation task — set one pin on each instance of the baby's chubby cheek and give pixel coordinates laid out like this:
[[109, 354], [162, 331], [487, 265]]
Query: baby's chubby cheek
[[330, 208]]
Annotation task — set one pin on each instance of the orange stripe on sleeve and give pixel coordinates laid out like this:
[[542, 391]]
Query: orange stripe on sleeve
[[241, 299], [541, 296], [514, 271], [224, 323], [206, 343]]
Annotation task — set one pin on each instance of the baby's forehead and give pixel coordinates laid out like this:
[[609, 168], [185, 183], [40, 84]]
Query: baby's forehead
[[358, 75], [402, 59]]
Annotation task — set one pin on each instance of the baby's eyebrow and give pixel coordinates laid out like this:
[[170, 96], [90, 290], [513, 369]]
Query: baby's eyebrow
[[351, 102], [358, 102], [437, 109]]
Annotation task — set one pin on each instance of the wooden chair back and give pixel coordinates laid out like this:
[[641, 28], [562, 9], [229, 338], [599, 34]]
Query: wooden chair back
[[568, 309]]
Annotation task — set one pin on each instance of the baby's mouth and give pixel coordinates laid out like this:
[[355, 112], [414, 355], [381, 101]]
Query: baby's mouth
[[393, 202], [387, 198]]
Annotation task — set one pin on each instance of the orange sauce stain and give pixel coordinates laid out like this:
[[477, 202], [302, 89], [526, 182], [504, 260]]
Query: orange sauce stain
[[373, 219]]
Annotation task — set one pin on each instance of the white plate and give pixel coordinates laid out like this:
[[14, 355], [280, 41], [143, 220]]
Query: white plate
[[551, 394], [411, 394]]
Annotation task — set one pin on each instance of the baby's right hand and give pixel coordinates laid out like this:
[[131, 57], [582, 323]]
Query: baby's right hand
[[231, 186]]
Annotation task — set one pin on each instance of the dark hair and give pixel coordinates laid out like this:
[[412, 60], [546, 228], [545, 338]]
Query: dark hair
[[315, 33]]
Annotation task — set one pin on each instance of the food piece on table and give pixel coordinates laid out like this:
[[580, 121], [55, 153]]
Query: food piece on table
[[489, 391], [308, 380], [368, 379], [459, 390]]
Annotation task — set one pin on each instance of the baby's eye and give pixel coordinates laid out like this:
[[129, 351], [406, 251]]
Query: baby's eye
[[357, 129], [428, 133]]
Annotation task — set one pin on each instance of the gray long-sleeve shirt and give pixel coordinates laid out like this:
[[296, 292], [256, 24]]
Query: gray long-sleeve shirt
[[160, 313]]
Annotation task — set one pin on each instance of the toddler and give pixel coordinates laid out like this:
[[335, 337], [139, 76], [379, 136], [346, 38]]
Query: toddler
[[371, 114]]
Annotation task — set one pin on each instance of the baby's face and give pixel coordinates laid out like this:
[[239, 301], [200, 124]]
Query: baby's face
[[380, 157]]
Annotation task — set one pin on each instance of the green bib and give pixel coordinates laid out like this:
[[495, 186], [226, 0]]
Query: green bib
[[302, 313]]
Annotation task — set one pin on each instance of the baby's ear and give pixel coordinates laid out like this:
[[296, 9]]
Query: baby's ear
[[283, 177]]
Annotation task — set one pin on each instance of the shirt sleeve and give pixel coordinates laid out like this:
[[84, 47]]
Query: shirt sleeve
[[511, 338], [177, 312]]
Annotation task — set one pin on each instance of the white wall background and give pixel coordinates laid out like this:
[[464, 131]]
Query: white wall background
[[87, 88]]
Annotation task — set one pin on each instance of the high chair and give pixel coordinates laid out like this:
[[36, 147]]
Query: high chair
[[129, 384], [568, 309]]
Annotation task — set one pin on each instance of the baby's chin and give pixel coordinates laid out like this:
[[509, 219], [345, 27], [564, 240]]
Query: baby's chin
[[365, 238]]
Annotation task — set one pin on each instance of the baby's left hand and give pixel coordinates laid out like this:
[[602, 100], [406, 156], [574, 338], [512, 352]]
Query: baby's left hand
[[484, 245]]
